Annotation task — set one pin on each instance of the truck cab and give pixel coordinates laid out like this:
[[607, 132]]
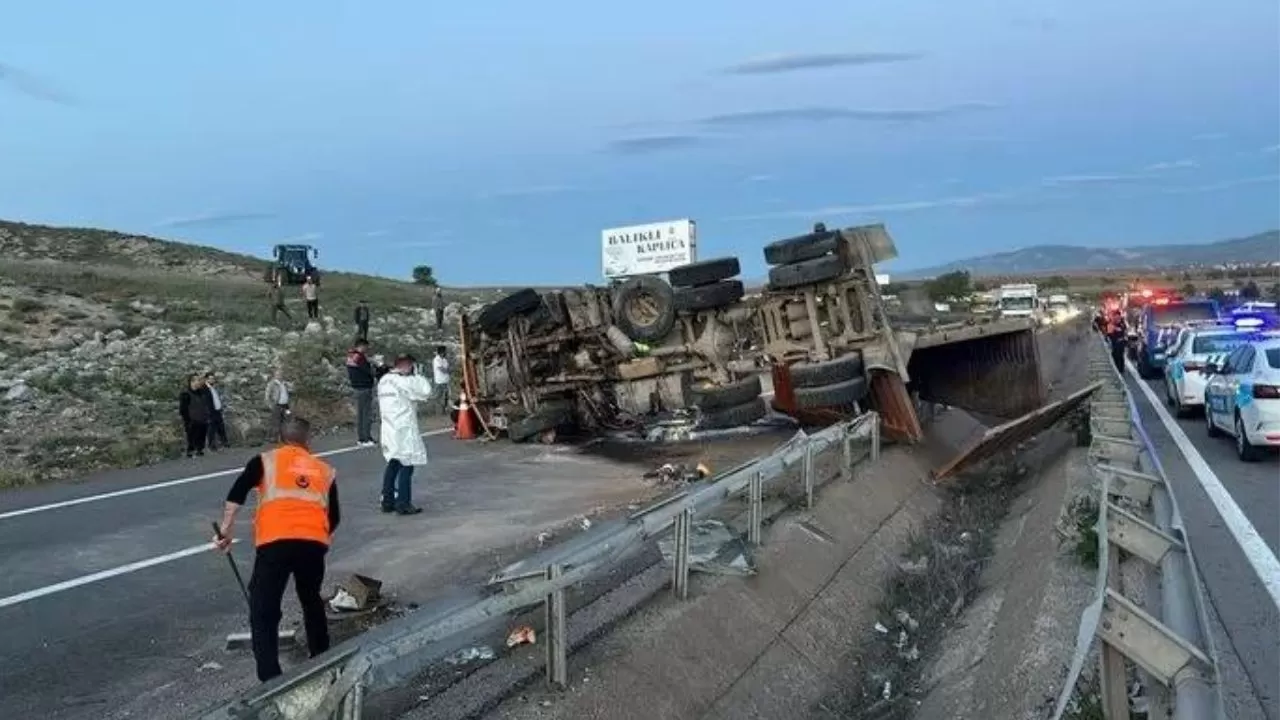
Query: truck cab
[[1162, 318], [1019, 301]]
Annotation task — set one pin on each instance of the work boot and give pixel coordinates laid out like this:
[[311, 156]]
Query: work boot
[[408, 510]]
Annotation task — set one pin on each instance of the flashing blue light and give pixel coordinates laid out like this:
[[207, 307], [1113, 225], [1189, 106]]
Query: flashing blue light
[[1249, 323]]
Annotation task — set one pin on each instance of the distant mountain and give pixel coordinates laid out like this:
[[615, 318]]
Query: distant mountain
[[1263, 247]]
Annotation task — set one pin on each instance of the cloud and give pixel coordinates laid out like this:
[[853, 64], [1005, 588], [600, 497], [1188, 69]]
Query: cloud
[[376, 233], [905, 206], [792, 62], [1097, 179], [212, 219], [1268, 150], [1226, 184], [306, 237], [528, 191], [655, 143], [757, 178], [418, 244], [1210, 136], [1171, 165], [34, 87], [836, 114]]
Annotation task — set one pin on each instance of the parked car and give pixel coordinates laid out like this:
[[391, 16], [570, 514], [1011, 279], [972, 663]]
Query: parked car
[[1185, 377], [1242, 398]]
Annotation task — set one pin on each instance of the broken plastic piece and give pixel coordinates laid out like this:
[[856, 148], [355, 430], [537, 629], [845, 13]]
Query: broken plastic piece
[[471, 654], [343, 600], [882, 629], [523, 635]]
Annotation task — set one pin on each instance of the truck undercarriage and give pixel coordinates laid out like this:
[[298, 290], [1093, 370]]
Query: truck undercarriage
[[696, 345]]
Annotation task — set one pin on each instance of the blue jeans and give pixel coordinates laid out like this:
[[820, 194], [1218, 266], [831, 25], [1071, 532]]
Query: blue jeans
[[397, 485]]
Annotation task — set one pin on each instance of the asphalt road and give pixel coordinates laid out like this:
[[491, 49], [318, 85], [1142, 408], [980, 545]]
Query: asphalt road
[[1248, 632], [89, 630]]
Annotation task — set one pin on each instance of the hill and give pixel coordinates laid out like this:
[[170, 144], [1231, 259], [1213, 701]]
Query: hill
[[98, 331], [1260, 248]]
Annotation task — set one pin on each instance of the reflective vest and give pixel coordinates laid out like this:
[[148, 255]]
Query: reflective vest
[[293, 497]]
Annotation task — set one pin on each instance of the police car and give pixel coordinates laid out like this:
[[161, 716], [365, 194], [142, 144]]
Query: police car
[[1195, 345], [1242, 397]]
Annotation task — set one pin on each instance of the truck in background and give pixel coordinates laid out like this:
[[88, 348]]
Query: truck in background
[[1060, 308], [1020, 300]]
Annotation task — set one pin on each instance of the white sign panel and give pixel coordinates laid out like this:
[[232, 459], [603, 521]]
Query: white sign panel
[[882, 279], [645, 249]]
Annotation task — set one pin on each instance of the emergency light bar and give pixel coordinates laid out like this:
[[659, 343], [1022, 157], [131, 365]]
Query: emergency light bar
[[1246, 324]]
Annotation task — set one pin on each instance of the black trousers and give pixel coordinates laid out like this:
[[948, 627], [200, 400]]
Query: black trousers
[[217, 430], [1117, 354], [197, 433], [313, 309], [274, 564], [362, 331]]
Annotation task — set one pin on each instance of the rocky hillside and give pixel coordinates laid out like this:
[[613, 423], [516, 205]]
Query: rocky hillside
[[98, 331]]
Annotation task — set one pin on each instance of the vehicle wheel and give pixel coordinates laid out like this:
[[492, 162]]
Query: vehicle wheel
[[1247, 451], [1209, 427], [548, 418], [644, 308], [704, 272], [808, 375], [708, 297], [743, 414], [497, 314], [800, 248], [807, 272], [834, 395], [719, 397]]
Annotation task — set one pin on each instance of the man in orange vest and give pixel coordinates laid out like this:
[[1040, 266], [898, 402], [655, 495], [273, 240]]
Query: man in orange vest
[[296, 516]]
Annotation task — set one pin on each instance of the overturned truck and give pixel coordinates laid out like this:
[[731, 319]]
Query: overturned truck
[[697, 342]]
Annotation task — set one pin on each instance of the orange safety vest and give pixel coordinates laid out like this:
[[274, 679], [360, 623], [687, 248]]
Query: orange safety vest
[[293, 497]]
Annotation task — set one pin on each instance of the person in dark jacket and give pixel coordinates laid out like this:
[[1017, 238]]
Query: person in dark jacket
[[1117, 334], [362, 376], [362, 321], [195, 406]]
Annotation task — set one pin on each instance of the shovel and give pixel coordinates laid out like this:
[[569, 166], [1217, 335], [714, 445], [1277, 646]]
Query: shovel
[[243, 639]]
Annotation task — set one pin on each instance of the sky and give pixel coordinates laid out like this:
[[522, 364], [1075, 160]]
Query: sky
[[495, 140]]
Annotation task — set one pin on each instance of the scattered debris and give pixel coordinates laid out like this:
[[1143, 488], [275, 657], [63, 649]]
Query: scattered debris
[[211, 665], [713, 548], [471, 654], [356, 592], [880, 628], [678, 473], [915, 567], [584, 523], [523, 635], [544, 537], [904, 619]]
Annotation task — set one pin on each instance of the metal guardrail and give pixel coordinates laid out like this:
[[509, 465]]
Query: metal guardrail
[[1138, 515], [333, 686]]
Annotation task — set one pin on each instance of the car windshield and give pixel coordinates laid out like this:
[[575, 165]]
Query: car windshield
[[1273, 357], [1017, 303], [1210, 344], [1181, 312]]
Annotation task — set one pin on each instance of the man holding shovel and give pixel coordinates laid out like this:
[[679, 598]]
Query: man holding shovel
[[296, 516]]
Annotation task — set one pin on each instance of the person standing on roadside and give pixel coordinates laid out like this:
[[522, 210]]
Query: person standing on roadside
[[399, 392], [440, 378], [297, 514], [277, 399], [1117, 332], [311, 294], [437, 302], [217, 422], [362, 321], [276, 294], [361, 376], [195, 407]]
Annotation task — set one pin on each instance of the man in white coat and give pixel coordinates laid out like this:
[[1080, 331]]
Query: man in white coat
[[399, 392]]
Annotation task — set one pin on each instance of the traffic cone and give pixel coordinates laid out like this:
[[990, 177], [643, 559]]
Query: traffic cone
[[466, 428]]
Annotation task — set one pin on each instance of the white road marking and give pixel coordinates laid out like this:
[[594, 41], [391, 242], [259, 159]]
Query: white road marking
[[103, 575], [1261, 559], [168, 483]]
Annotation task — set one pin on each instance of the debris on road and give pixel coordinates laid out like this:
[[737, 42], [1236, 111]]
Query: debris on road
[[356, 592], [880, 628], [678, 473], [915, 567], [713, 549], [472, 654], [523, 635], [211, 665]]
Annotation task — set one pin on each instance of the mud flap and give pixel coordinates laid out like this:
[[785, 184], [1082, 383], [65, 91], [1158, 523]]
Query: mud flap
[[990, 373]]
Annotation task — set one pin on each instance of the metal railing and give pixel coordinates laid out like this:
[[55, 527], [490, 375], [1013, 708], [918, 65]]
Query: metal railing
[[1138, 516], [334, 685]]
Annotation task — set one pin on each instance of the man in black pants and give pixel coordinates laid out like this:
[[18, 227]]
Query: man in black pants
[[1117, 334], [296, 516], [217, 421], [195, 406], [362, 321]]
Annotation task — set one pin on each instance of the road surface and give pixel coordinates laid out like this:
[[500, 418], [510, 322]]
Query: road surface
[[1247, 617], [112, 605]]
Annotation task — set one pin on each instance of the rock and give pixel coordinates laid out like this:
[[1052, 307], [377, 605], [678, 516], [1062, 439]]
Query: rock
[[117, 334], [116, 347], [18, 392]]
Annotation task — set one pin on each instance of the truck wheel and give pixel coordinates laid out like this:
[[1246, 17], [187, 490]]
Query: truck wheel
[[807, 272], [834, 395], [802, 247], [527, 427], [743, 414], [812, 375], [704, 272], [645, 308], [499, 313], [707, 297], [719, 397]]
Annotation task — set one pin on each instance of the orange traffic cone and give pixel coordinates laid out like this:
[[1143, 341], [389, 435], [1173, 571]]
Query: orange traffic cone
[[466, 428]]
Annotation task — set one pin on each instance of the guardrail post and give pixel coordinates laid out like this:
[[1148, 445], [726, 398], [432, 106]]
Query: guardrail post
[[557, 670], [808, 476], [353, 704], [875, 437], [680, 566], [1115, 690], [755, 510], [846, 455]]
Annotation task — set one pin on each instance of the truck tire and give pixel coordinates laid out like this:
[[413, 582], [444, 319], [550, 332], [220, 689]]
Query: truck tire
[[834, 395], [499, 313], [720, 397], [807, 272], [743, 414], [644, 307], [708, 297], [830, 372], [704, 272], [548, 418], [802, 247]]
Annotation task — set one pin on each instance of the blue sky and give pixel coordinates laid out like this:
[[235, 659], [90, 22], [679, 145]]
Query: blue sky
[[494, 140]]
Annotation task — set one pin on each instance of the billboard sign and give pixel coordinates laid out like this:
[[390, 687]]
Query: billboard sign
[[648, 249]]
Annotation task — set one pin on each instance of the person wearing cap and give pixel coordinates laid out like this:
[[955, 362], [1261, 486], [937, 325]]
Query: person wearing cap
[[297, 513], [399, 392]]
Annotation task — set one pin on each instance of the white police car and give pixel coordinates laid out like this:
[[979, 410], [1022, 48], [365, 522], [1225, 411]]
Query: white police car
[[1242, 397], [1196, 344]]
